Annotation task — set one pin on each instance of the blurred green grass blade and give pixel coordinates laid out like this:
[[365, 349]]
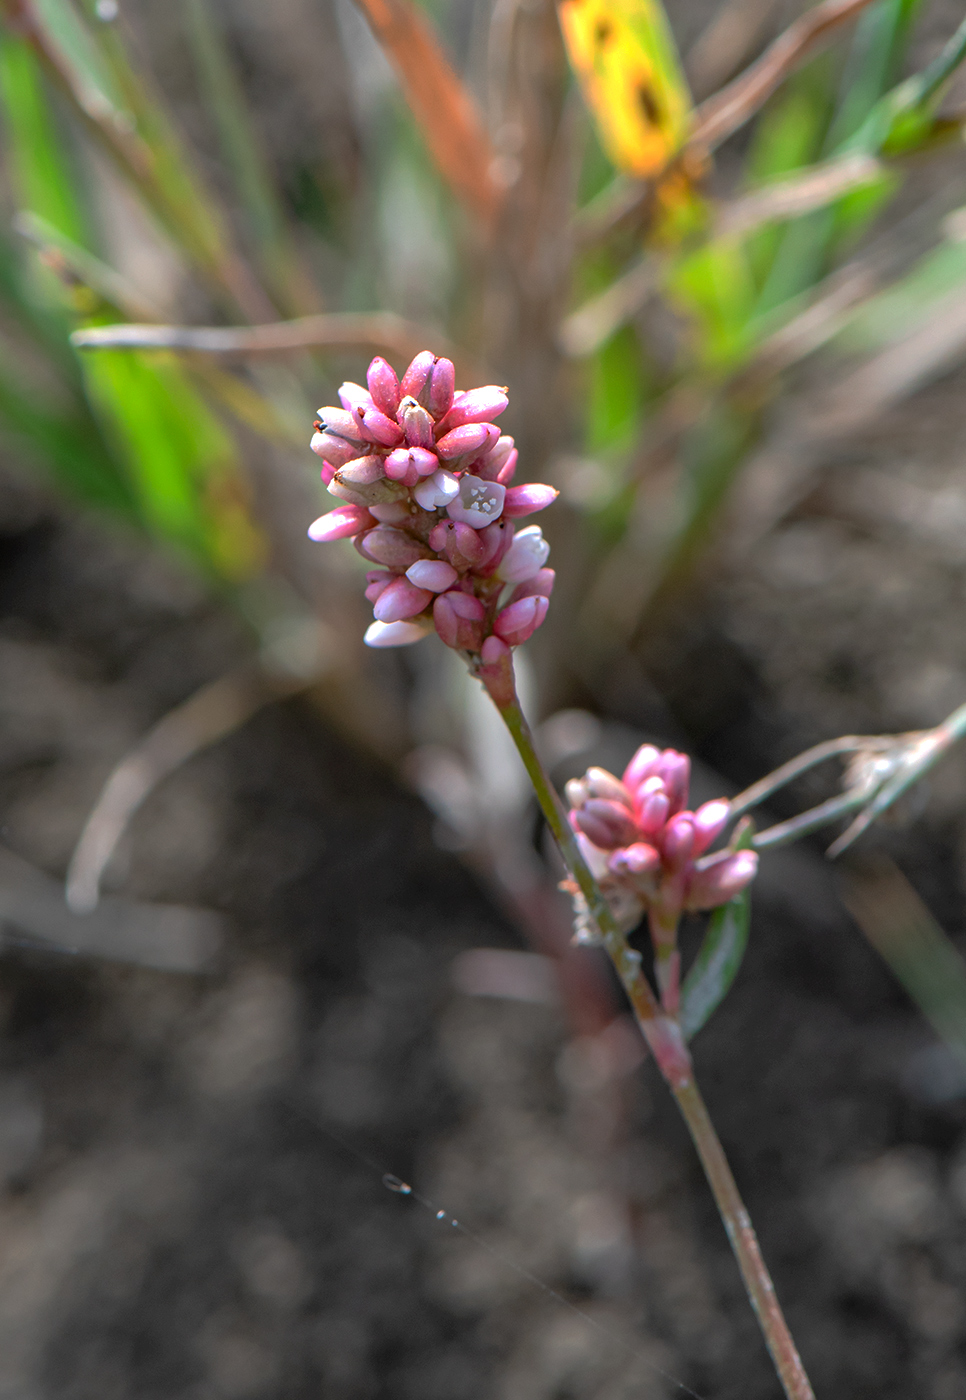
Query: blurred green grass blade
[[109, 286], [719, 957], [615, 393], [242, 149], [872, 66], [714, 286]]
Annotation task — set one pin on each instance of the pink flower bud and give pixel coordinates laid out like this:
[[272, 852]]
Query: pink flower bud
[[379, 428], [525, 500], [526, 556], [392, 512], [470, 438], [675, 769], [652, 812], [540, 586], [377, 581], [608, 824], [710, 820], [600, 783], [637, 859], [491, 461], [394, 634], [478, 503], [440, 389], [386, 545], [519, 621], [383, 386], [340, 523], [434, 574], [335, 450], [677, 841], [459, 620], [642, 766], [437, 490], [509, 469], [464, 546], [417, 376], [354, 398], [415, 423], [494, 651], [341, 424], [475, 406], [327, 473], [363, 471], [718, 878], [497, 539], [400, 600]]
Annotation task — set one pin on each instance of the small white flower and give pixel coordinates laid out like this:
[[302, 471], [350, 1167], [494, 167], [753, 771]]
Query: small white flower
[[479, 502], [394, 634], [436, 490], [526, 556]]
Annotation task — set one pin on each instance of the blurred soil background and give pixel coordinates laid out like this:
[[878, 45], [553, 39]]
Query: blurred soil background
[[192, 1204]]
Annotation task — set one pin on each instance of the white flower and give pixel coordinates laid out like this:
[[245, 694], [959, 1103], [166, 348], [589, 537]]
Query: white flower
[[394, 634], [436, 490], [479, 502], [526, 556]]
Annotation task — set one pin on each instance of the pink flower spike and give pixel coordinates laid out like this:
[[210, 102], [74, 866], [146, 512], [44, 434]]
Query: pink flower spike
[[386, 545], [608, 824], [340, 523], [636, 859], [509, 469], [383, 386], [494, 651], [641, 766], [379, 428], [478, 503], [378, 581], [472, 437], [519, 621], [525, 500], [526, 556], [415, 423], [677, 843], [354, 398], [440, 390], [335, 450], [458, 618], [719, 878], [710, 820], [540, 586], [434, 574], [394, 634], [401, 600], [416, 378], [475, 406]]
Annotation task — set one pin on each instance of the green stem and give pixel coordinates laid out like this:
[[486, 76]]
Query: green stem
[[663, 1035]]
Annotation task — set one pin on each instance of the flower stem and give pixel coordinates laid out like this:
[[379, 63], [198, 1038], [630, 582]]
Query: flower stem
[[663, 1035]]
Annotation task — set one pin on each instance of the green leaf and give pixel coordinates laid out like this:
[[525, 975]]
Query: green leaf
[[717, 963]]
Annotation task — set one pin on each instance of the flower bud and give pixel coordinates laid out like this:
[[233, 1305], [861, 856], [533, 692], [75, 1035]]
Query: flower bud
[[463, 545], [437, 490], [608, 824], [478, 503], [710, 820], [719, 878], [386, 545], [410, 464], [540, 586], [375, 493], [377, 581], [379, 428], [394, 634], [362, 471], [600, 783], [439, 395], [525, 500], [417, 376], [335, 450], [392, 513], [642, 766], [637, 859], [458, 618], [652, 812], [354, 398], [677, 841], [475, 406], [470, 438], [491, 462], [401, 600], [509, 469], [342, 424], [340, 524], [434, 574], [415, 423], [384, 386], [526, 556], [519, 621], [675, 769], [497, 539]]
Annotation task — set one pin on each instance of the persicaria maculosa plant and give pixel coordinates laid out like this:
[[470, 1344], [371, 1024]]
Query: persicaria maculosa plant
[[425, 484]]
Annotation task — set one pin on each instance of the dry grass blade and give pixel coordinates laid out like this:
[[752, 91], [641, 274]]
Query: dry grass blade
[[900, 927], [721, 115], [172, 937], [727, 43], [807, 190], [205, 717], [380, 330], [448, 118]]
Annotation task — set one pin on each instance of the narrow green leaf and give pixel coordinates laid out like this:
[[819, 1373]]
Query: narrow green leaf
[[717, 963]]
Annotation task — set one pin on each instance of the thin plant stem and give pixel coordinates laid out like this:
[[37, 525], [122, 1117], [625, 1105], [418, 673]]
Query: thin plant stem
[[663, 1035]]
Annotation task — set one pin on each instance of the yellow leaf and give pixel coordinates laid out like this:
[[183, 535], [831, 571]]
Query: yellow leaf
[[624, 55]]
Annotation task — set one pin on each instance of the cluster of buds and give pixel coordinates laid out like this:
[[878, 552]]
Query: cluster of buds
[[648, 853], [424, 478]]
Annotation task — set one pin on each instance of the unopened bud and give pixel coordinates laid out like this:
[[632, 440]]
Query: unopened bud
[[636, 859], [363, 471], [379, 428], [415, 423], [600, 783], [436, 491], [473, 437], [340, 524], [438, 396], [677, 840], [386, 545], [719, 878], [642, 766], [541, 585], [384, 386], [401, 600], [458, 618], [710, 820], [675, 769], [354, 398], [377, 581], [526, 500], [519, 621], [526, 556], [410, 464], [475, 406], [463, 545], [335, 450], [395, 634], [434, 574], [417, 376]]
